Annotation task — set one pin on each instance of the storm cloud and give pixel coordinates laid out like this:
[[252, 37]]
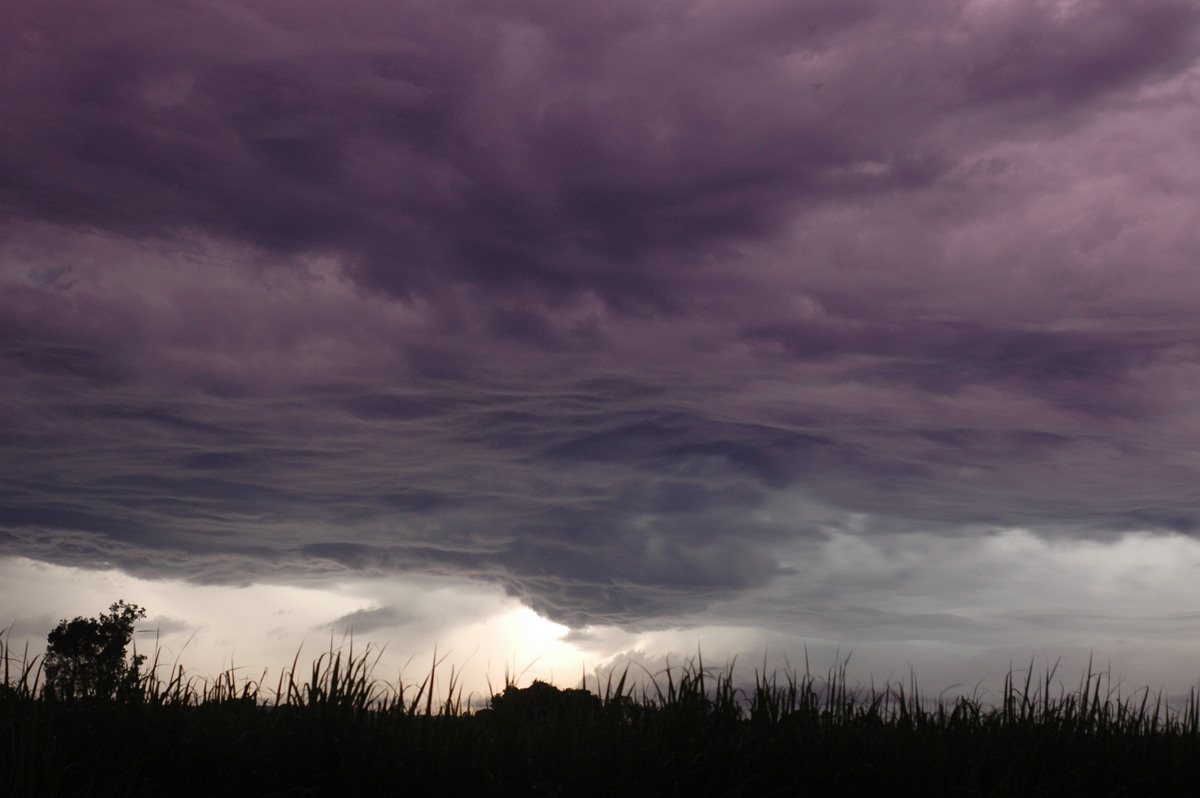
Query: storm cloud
[[627, 308]]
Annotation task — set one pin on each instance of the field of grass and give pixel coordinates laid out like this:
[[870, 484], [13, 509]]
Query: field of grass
[[333, 729]]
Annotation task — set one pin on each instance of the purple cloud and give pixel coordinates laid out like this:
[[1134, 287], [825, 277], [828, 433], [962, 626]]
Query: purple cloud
[[609, 305]]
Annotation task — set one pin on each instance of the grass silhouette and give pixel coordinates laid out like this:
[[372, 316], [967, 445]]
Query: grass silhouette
[[333, 729]]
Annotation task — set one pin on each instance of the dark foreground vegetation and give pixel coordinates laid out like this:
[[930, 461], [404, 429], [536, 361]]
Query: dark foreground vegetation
[[334, 730]]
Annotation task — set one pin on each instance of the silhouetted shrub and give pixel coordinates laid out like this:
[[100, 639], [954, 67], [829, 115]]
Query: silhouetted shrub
[[541, 700]]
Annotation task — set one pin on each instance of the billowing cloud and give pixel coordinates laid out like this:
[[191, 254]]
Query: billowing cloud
[[623, 309]]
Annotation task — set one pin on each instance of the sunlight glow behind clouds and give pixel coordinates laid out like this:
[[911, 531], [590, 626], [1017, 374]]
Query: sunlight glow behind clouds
[[953, 610], [209, 628]]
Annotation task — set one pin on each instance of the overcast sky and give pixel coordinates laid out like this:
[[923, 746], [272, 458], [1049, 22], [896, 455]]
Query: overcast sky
[[594, 329]]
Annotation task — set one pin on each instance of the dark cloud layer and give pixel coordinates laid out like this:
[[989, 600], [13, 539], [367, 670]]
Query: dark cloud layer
[[612, 305]]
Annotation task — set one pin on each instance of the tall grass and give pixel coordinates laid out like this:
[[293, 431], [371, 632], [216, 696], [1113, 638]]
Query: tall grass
[[333, 728]]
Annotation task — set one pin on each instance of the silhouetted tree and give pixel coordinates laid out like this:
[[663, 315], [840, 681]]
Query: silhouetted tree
[[541, 700], [86, 658]]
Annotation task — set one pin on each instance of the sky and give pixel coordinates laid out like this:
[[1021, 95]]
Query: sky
[[553, 336]]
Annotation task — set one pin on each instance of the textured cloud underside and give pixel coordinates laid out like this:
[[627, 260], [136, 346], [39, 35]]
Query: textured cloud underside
[[622, 307]]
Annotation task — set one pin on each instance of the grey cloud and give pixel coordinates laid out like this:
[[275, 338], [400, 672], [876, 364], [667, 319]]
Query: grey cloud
[[372, 620], [163, 625], [610, 306], [34, 626], [586, 498]]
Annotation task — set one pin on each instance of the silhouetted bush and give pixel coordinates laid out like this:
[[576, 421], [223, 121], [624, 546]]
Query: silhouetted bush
[[541, 700]]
